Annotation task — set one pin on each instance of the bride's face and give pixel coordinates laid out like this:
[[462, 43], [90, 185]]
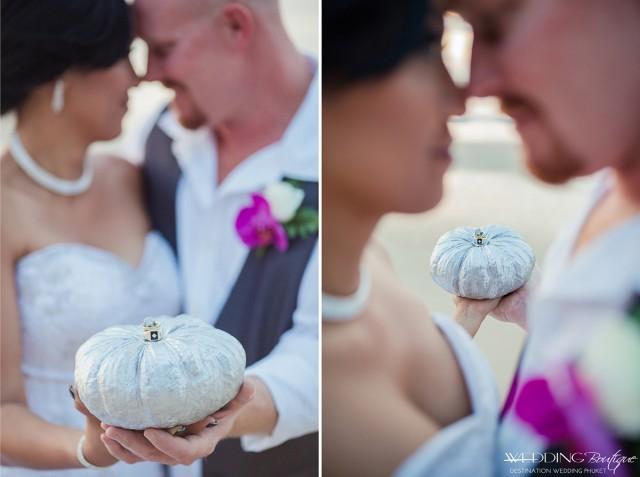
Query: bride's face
[[96, 101], [386, 142]]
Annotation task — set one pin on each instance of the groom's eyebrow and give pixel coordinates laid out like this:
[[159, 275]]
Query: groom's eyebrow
[[159, 43], [483, 9], [161, 48]]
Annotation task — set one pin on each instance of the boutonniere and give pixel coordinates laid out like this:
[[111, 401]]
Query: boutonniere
[[275, 217], [591, 405]]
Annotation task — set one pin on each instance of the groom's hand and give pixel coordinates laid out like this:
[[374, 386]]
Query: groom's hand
[[158, 445], [513, 308]]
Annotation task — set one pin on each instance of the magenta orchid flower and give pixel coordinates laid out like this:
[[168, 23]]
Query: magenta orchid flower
[[258, 228], [567, 415]]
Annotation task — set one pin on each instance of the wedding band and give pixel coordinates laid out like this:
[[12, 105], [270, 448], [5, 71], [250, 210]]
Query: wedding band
[[83, 460]]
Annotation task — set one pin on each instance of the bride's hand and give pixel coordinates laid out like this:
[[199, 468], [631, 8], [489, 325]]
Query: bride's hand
[[159, 445], [94, 449], [470, 313], [511, 308]]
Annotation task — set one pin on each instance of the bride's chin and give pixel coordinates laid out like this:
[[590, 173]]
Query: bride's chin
[[430, 201], [112, 134]]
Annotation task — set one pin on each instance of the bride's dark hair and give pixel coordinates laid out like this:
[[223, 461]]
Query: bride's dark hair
[[41, 39], [364, 39]]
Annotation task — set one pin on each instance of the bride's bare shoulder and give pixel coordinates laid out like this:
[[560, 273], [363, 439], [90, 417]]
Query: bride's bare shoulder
[[16, 187], [16, 207], [9, 171]]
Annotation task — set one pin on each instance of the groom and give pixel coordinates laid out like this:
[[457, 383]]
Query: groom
[[567, 72], [244, 117]]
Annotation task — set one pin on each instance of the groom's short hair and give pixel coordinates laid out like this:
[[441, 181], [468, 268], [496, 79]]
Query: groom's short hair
[[267, 6]]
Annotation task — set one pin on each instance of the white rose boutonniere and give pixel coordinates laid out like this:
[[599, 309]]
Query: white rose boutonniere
[[284, 199], [611, 365]]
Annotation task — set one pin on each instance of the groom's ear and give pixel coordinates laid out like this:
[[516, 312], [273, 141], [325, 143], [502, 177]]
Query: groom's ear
[[238, 25]]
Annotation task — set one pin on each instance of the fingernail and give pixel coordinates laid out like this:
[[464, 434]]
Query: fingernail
[[213, 423], [72, 392]]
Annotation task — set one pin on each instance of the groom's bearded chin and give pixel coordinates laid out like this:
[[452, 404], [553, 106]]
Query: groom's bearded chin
[[192, 121], [557, 168], [558, 164], [191, 118]]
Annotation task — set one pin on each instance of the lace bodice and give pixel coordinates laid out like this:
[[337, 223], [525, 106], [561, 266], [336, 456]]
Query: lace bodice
[[66, 293]]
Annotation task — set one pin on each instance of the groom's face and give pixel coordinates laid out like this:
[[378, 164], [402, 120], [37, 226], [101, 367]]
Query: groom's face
[[567, 72], [184, 55]]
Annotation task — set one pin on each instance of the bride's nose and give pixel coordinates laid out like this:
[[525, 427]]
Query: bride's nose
[[453, 97], [134, 79]]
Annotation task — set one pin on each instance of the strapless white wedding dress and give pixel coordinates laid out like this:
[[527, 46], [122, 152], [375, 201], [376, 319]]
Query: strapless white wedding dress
[[67, 292]]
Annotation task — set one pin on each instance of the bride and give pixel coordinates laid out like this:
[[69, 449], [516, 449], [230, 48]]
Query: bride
[[77, 253], [404, 391]]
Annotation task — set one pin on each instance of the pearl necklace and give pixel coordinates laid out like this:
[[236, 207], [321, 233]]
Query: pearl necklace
[[46, 179], [342, 308]]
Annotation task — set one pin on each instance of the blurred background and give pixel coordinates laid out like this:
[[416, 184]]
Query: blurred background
[[487, 184]]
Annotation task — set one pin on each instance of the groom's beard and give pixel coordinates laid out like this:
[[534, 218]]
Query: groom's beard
[[186, 111], [559, 168], [558, 164], [189, 122], [192, 119]]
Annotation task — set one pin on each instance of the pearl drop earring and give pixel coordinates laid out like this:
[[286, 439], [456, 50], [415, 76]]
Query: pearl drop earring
[[57, 99]]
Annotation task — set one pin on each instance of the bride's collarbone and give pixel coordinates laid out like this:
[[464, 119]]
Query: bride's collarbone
[[94, 225], [383, 340], [109, 216]]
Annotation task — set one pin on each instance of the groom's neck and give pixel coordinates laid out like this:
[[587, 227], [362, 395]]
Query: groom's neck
[[263, 115], [628, 184]]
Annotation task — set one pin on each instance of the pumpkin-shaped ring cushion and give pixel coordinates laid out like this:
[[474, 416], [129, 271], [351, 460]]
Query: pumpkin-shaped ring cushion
[[164, 373], [481, 263]]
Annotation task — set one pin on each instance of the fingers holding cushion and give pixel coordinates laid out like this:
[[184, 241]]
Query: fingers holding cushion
[[135, 444]]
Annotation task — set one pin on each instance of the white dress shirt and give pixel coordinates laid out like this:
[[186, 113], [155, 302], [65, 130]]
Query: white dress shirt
[[211, 255], [575, 296]]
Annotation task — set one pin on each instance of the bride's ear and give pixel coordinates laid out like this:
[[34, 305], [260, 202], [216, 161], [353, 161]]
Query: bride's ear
[[238, 25]]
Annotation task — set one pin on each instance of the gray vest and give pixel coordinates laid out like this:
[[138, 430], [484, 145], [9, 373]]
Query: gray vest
[[258, 311]]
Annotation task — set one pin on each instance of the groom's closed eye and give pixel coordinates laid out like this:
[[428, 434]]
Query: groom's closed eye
[[161, 51]]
